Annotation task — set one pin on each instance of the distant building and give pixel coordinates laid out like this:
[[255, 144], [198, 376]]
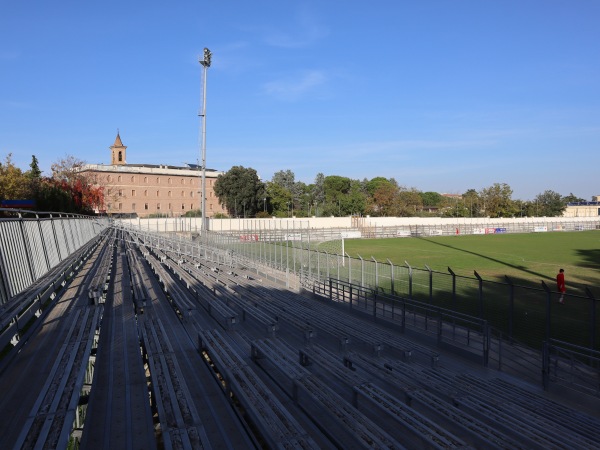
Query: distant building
[[584, 209], [145, 189]]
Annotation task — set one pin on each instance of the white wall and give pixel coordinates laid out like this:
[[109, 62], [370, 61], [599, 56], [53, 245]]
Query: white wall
[[173, 224]]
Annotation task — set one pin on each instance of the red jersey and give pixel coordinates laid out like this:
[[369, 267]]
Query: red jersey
[[560, 282]]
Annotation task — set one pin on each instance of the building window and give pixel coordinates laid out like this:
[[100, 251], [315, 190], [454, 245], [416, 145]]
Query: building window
[[132, 179], [182, 194], [169, 207], [146, 193], [169, 193], [157, 193], [182, 181], [145, 179], [120, 156], [133, 192], [120, 206], [109, 178], [120, 192], [157, 180], [158, 206], [211, 206], [169, 181], [146, 206], [182, 206], [119, 178], [133, 206], [192, 194]]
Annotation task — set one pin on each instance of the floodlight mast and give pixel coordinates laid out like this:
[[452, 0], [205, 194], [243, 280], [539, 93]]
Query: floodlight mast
[[205, 63]]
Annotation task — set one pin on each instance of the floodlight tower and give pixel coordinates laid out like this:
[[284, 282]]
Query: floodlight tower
[[205, 63]]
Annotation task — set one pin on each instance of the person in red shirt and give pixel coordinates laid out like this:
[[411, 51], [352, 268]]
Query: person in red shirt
[[560, 285]]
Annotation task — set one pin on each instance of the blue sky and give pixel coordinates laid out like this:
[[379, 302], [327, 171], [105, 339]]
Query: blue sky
[[441, 95]]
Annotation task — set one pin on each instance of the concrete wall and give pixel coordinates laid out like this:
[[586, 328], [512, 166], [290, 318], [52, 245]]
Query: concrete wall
[[175, 224]]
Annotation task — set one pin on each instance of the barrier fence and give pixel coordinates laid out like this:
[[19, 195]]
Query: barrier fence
[[31, 245], [528, 314]]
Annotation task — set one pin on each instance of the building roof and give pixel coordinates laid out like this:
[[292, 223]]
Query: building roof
[[118, 142], [157, 169]]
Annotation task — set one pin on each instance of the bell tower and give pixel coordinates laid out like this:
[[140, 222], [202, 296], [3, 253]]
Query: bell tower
[[118, 152]]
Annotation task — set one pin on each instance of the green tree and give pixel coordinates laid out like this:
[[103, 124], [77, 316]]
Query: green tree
[[240, 191], [409, 202], [280, 199], [472, 202], [355, 202], [497, 201], [432, 199], [572, 199], [34, 172], [550, 204]]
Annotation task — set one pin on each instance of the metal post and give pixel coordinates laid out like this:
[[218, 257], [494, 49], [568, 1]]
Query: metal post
[[205, 63], [362, 271], [391, 276], [480, 294], [410, 279], [548, 311], [592, 318], [511, 306], [430, 284], [376, 273], [453, 300]]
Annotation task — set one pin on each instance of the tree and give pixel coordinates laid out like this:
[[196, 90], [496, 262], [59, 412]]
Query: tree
[[409, 202], [14, 184], [318, 190], [433, 199], [497, 201], [550, 204], [472, 202], [280, 199], [34, 171], [240, 191], [385, 200], [68, 175], [285, 179], [355, 202], [572, 199]]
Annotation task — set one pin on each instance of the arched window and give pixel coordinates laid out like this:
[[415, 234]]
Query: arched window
[[120, 156]]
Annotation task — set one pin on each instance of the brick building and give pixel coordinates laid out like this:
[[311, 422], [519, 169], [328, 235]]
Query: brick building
[[145, 189]]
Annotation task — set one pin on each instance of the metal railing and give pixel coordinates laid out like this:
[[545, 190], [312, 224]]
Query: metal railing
[[31, 246]]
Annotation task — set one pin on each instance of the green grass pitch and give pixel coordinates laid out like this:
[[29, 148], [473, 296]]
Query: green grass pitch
[[525, 258]]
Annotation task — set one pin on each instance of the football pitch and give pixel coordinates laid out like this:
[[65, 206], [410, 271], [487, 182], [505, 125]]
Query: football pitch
[[525, 258]]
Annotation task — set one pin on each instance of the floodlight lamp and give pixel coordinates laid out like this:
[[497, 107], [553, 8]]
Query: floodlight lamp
[[207, 56]]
